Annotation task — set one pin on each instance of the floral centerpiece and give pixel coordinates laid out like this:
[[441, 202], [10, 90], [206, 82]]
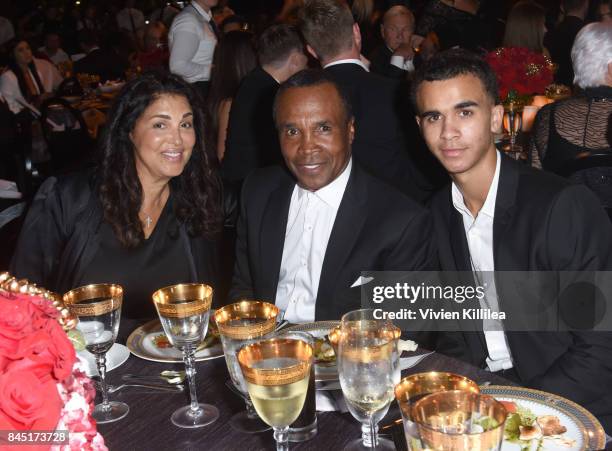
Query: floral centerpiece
[[42, 384], [521, 73]]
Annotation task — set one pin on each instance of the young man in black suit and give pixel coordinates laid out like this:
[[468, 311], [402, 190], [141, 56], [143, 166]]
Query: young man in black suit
[[500, 215], [380, 146], [305, 235], [251, 136]]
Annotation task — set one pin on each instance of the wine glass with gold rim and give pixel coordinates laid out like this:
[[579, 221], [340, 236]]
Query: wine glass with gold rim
[[183, 310], [98, 308], [240, 324], [277, 372], [368, 368]]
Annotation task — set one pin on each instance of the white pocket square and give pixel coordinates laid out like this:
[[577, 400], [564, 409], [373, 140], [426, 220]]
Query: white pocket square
[[362, 281]]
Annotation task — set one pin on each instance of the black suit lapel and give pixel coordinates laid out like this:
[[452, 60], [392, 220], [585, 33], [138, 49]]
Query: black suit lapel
[[504, 207], [473, 334], [347, 227], [272, 237]]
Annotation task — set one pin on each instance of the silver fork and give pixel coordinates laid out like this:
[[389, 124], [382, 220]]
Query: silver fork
[[162, 388]]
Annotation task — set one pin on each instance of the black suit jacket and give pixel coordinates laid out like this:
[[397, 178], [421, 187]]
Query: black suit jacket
[[559, 43], [376, 228], [251, 141], [380, 63], [541, 223], [379, 143]]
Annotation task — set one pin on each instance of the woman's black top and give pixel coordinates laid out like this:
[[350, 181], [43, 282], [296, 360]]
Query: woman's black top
[[564, 129], [157, 262]]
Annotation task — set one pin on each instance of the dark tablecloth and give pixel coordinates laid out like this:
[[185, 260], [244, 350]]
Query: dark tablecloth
[[148, 427]]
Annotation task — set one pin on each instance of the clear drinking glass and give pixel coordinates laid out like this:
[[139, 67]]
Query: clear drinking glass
[[460, 420], [416, 386], [98, 308], [513, 122], [277, 372], [183, 311], [368, 367], [240, 324]]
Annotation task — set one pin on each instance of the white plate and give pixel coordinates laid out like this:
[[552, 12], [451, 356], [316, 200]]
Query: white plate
[[581, 425], [111, 87], [116, 356], [140, 343], [323, 372]]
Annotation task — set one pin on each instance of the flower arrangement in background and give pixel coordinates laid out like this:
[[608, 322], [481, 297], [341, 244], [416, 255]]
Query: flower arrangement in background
[[42, 384], [521, 73]]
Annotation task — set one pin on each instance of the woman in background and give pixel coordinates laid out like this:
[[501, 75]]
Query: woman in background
[[27, 79], [234, 58], [526, 27]]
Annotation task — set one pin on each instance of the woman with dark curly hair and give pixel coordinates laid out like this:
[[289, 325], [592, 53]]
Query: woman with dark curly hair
[[147, 217]]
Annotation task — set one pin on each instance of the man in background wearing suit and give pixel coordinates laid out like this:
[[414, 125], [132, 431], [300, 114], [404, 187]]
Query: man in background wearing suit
[[500, 215], [394, 57], [305, 235], [380, 146], [251, 135]]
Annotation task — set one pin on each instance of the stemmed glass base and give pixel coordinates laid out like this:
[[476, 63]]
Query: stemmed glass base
[[112, 411], [382, 445], [186, 417], [242, 422]]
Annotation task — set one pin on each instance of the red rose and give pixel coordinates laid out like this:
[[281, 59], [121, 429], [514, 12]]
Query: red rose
[[28, 403], [15, 324], [63, 350], [34, 355], [46, 353]]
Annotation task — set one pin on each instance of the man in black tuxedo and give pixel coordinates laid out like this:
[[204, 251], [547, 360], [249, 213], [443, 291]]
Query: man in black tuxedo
[[305, 235], [251, 136], [500, 215], [380, 146], [394, 58]]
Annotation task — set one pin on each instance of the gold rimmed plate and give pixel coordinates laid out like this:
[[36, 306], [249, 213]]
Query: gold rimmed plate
[[324, 372], [143, 343], [583, 430]]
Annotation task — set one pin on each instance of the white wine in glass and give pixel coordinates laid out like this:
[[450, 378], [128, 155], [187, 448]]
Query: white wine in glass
[[277, 372], [240, 324]]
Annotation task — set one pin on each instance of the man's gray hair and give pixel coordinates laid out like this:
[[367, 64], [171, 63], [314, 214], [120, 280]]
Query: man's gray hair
[[591, 54]]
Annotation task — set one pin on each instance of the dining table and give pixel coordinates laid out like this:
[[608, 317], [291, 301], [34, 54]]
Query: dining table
[[148, 427]]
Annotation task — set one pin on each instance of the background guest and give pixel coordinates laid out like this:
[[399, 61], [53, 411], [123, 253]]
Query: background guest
[[559, 40], [155, 53], [526, 27], [53, 48], [192, 39], [394, 58], [252, 141], [567, 128], [234, 58], [151, 207], [27, 79], [131, 20], [604, 11]]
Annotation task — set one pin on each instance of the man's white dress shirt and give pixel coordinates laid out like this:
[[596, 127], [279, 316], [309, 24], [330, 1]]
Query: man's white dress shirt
[[192, 44], [350, 60], [309, 225], [401, 62], [479, 234]]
